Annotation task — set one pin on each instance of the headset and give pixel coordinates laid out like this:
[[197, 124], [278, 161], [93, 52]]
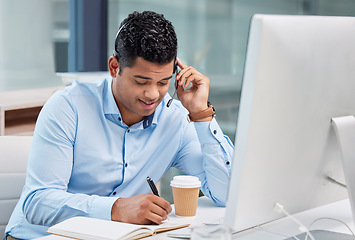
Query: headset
[[176, 85], [115, 53]]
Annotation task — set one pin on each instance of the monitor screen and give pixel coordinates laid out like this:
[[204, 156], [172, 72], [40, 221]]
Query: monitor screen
[[299, 74]]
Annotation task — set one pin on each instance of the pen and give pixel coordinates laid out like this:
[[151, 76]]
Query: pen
[[152, 186]]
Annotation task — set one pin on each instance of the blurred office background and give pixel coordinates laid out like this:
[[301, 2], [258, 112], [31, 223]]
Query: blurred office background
[[39, 38]]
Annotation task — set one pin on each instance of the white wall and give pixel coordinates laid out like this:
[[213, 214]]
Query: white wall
[[26, 45]]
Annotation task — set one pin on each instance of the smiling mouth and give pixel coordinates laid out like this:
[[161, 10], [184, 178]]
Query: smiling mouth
[[148, 104]]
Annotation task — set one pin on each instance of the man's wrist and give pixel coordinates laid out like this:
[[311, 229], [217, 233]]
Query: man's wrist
[[207, 119], [204, 115], [115, 211]]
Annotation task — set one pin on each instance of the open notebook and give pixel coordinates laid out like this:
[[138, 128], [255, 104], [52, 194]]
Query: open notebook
[[92, 229]]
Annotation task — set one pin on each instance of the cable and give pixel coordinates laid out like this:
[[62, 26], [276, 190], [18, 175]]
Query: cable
[[333, 180], [329, 218], [280, 208]]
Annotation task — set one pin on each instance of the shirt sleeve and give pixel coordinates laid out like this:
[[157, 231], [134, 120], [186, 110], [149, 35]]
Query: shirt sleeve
[[46, 199], [207, 153]]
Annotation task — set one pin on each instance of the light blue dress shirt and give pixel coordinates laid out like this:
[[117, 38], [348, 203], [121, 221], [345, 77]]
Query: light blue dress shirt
[[83, 157]]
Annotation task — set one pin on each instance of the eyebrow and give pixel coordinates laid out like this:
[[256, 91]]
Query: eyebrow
[[147, 78]]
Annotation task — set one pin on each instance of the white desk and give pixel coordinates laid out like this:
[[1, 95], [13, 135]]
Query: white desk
[[339, 210], [19, 109], [207, 212]]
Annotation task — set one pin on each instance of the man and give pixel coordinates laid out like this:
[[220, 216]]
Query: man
[[95, 143]]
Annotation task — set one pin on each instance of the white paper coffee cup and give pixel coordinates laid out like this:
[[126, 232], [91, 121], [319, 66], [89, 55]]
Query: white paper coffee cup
[[185, 193]]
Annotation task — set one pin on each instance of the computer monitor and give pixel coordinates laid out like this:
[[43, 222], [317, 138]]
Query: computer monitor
[[299, 74]]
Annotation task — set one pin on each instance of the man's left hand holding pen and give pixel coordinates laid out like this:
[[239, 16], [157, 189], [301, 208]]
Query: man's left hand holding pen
[[141, 209]]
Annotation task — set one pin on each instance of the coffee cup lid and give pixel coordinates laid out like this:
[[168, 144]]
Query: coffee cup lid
[[185, 181]]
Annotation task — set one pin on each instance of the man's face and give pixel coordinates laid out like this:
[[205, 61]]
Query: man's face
[[139, 89]]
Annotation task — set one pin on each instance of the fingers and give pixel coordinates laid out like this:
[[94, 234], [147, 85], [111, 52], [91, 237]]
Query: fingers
[[184, 74], [188, 75], [162, 203], [141, 209], [159, 210], [193, 88], [180, 63]]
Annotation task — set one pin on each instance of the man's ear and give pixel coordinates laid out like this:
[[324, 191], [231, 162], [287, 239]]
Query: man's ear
[[113, 66]]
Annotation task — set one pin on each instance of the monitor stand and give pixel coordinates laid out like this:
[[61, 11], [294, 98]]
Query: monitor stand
[[324, 235], [345, 131]]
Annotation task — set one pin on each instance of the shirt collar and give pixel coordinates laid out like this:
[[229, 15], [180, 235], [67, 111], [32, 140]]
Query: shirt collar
[[147, 121], [110, 106]]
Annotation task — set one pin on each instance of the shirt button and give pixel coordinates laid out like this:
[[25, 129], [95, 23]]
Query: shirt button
[[126, 164], [215, 131], [228, 163], [119, 118], [128, 130], [114, 193]]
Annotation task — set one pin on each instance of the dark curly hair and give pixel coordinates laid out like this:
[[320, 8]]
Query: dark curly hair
[[148, 35]]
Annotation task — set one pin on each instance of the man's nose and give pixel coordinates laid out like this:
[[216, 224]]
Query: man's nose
[[151, 93]]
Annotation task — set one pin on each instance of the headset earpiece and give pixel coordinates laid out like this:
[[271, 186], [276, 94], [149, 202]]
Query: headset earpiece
[[175, 67], [176, 85]]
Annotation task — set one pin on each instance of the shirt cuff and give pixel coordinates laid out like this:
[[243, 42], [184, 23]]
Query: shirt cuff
[[208, 132], [101, 207]]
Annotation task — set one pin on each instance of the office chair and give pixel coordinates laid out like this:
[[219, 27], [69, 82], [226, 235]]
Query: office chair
[[14, 152]]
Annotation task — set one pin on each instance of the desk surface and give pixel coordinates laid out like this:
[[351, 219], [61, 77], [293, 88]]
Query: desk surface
[[26, 98], [19, 109], [321, 218], [207, 212]]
